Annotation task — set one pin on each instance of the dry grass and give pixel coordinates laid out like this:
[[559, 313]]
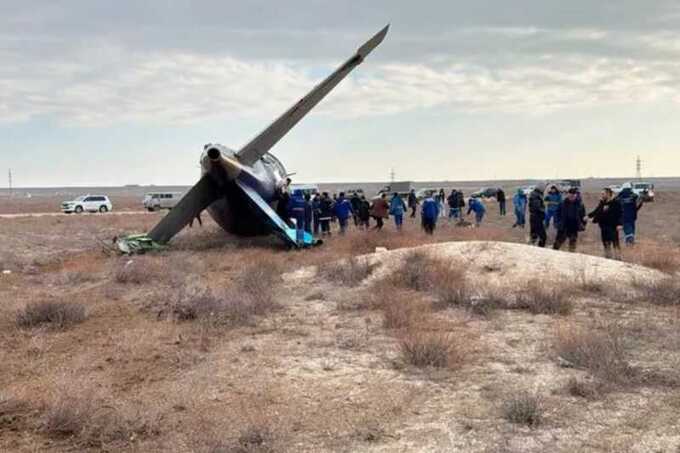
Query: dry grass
[[601, 351], [524, 408], [432, 349], [351, 271], [660, 292], [92, 422], [403, 309], [663, 258], [539, 297], [54, 314], [588, 389]]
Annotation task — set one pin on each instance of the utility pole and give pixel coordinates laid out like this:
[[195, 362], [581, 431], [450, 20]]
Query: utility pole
[[391, 175], [638, 168], [10, 182]]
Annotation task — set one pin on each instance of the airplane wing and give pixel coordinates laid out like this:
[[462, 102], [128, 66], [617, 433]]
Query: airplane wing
[[199, 197], [279, 227], [259, 146]]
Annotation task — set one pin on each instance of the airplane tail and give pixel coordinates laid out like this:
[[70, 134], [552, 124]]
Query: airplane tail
[[261, 144]]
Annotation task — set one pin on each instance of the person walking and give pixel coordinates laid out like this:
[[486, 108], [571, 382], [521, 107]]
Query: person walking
[[296, 210], [397, 209], [537, 216], [441, 199], [572, 215], [355, 201], [608, 216], [553, 199], [429, 213], [342, 210], [630, 205], [475, 205], [380, 211], [325, 214], [452, 201], [519, 201], [308, 213], [412, 202], [500, 198], [316, 213], [364, 213], [461, 203]]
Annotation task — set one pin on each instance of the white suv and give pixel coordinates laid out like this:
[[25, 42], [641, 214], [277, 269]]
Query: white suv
[[91, 203]]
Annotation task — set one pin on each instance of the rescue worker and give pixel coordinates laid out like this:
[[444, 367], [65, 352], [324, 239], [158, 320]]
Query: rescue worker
[[355, 201], [325, 214], [397, 209], [572, 215], [380, 211], [461, 202], [316, 213], [500, 197], [412, 202], [429, 213], [343, 210], [364, 213], [608, 216], [537, 216], [519, 201], [296, 210], [283, 203], [630, 205], [552, 204], [475, 205]]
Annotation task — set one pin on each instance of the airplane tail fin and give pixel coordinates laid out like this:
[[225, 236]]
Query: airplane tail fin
[[261, 144]]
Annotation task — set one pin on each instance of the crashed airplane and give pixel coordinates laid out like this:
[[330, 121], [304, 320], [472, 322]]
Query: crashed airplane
[[240, 189]]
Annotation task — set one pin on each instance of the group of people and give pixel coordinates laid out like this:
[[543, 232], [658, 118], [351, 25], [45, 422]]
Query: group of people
[[566, 213], [568, 216]]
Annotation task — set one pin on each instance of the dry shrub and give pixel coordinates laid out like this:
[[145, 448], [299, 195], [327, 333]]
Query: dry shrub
[[55, 314], [349, 272], [660, 292], [600, 351], [524, 408], [432, 349], [141, 269], [588, 389], [253, 439], [12, 412], [416, 272], [404, 309], [545, 298], [90, 421], [664, 259]]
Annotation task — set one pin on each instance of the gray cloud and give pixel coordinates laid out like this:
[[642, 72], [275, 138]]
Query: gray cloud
[[93, 63]]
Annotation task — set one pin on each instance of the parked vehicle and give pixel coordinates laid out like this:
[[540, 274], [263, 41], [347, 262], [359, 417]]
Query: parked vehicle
[[526, 190], [421, 194], [90, 203], [307, 189], [644, 190], [565, 184], [161, 200], [485, 192]]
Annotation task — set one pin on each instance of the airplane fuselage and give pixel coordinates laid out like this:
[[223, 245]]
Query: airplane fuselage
[[232, 212]]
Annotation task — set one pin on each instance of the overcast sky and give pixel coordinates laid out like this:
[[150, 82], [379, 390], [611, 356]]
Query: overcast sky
[[112, 93]]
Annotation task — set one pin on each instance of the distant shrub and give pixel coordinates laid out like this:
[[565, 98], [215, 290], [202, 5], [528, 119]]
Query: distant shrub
[[524, 408], [404, 309], [545, 298], [254, 439], [429, 349], [55, 314], [584, 389]]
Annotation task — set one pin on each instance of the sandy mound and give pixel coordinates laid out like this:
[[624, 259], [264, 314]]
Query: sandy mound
[[505, 262]]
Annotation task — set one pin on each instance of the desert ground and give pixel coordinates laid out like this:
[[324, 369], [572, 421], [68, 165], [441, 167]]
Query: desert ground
[[469, 340]]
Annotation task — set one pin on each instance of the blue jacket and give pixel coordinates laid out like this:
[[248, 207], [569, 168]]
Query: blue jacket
[[430, 209], [629, 205], [343, 208], [553, 201], [520, 202], [397, 206], [476, 206], [297, 207]]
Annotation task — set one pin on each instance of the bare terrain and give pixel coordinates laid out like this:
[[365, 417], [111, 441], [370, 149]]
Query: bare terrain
[[466, 341]]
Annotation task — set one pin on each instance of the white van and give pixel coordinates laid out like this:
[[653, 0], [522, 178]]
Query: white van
[[161, 200]]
